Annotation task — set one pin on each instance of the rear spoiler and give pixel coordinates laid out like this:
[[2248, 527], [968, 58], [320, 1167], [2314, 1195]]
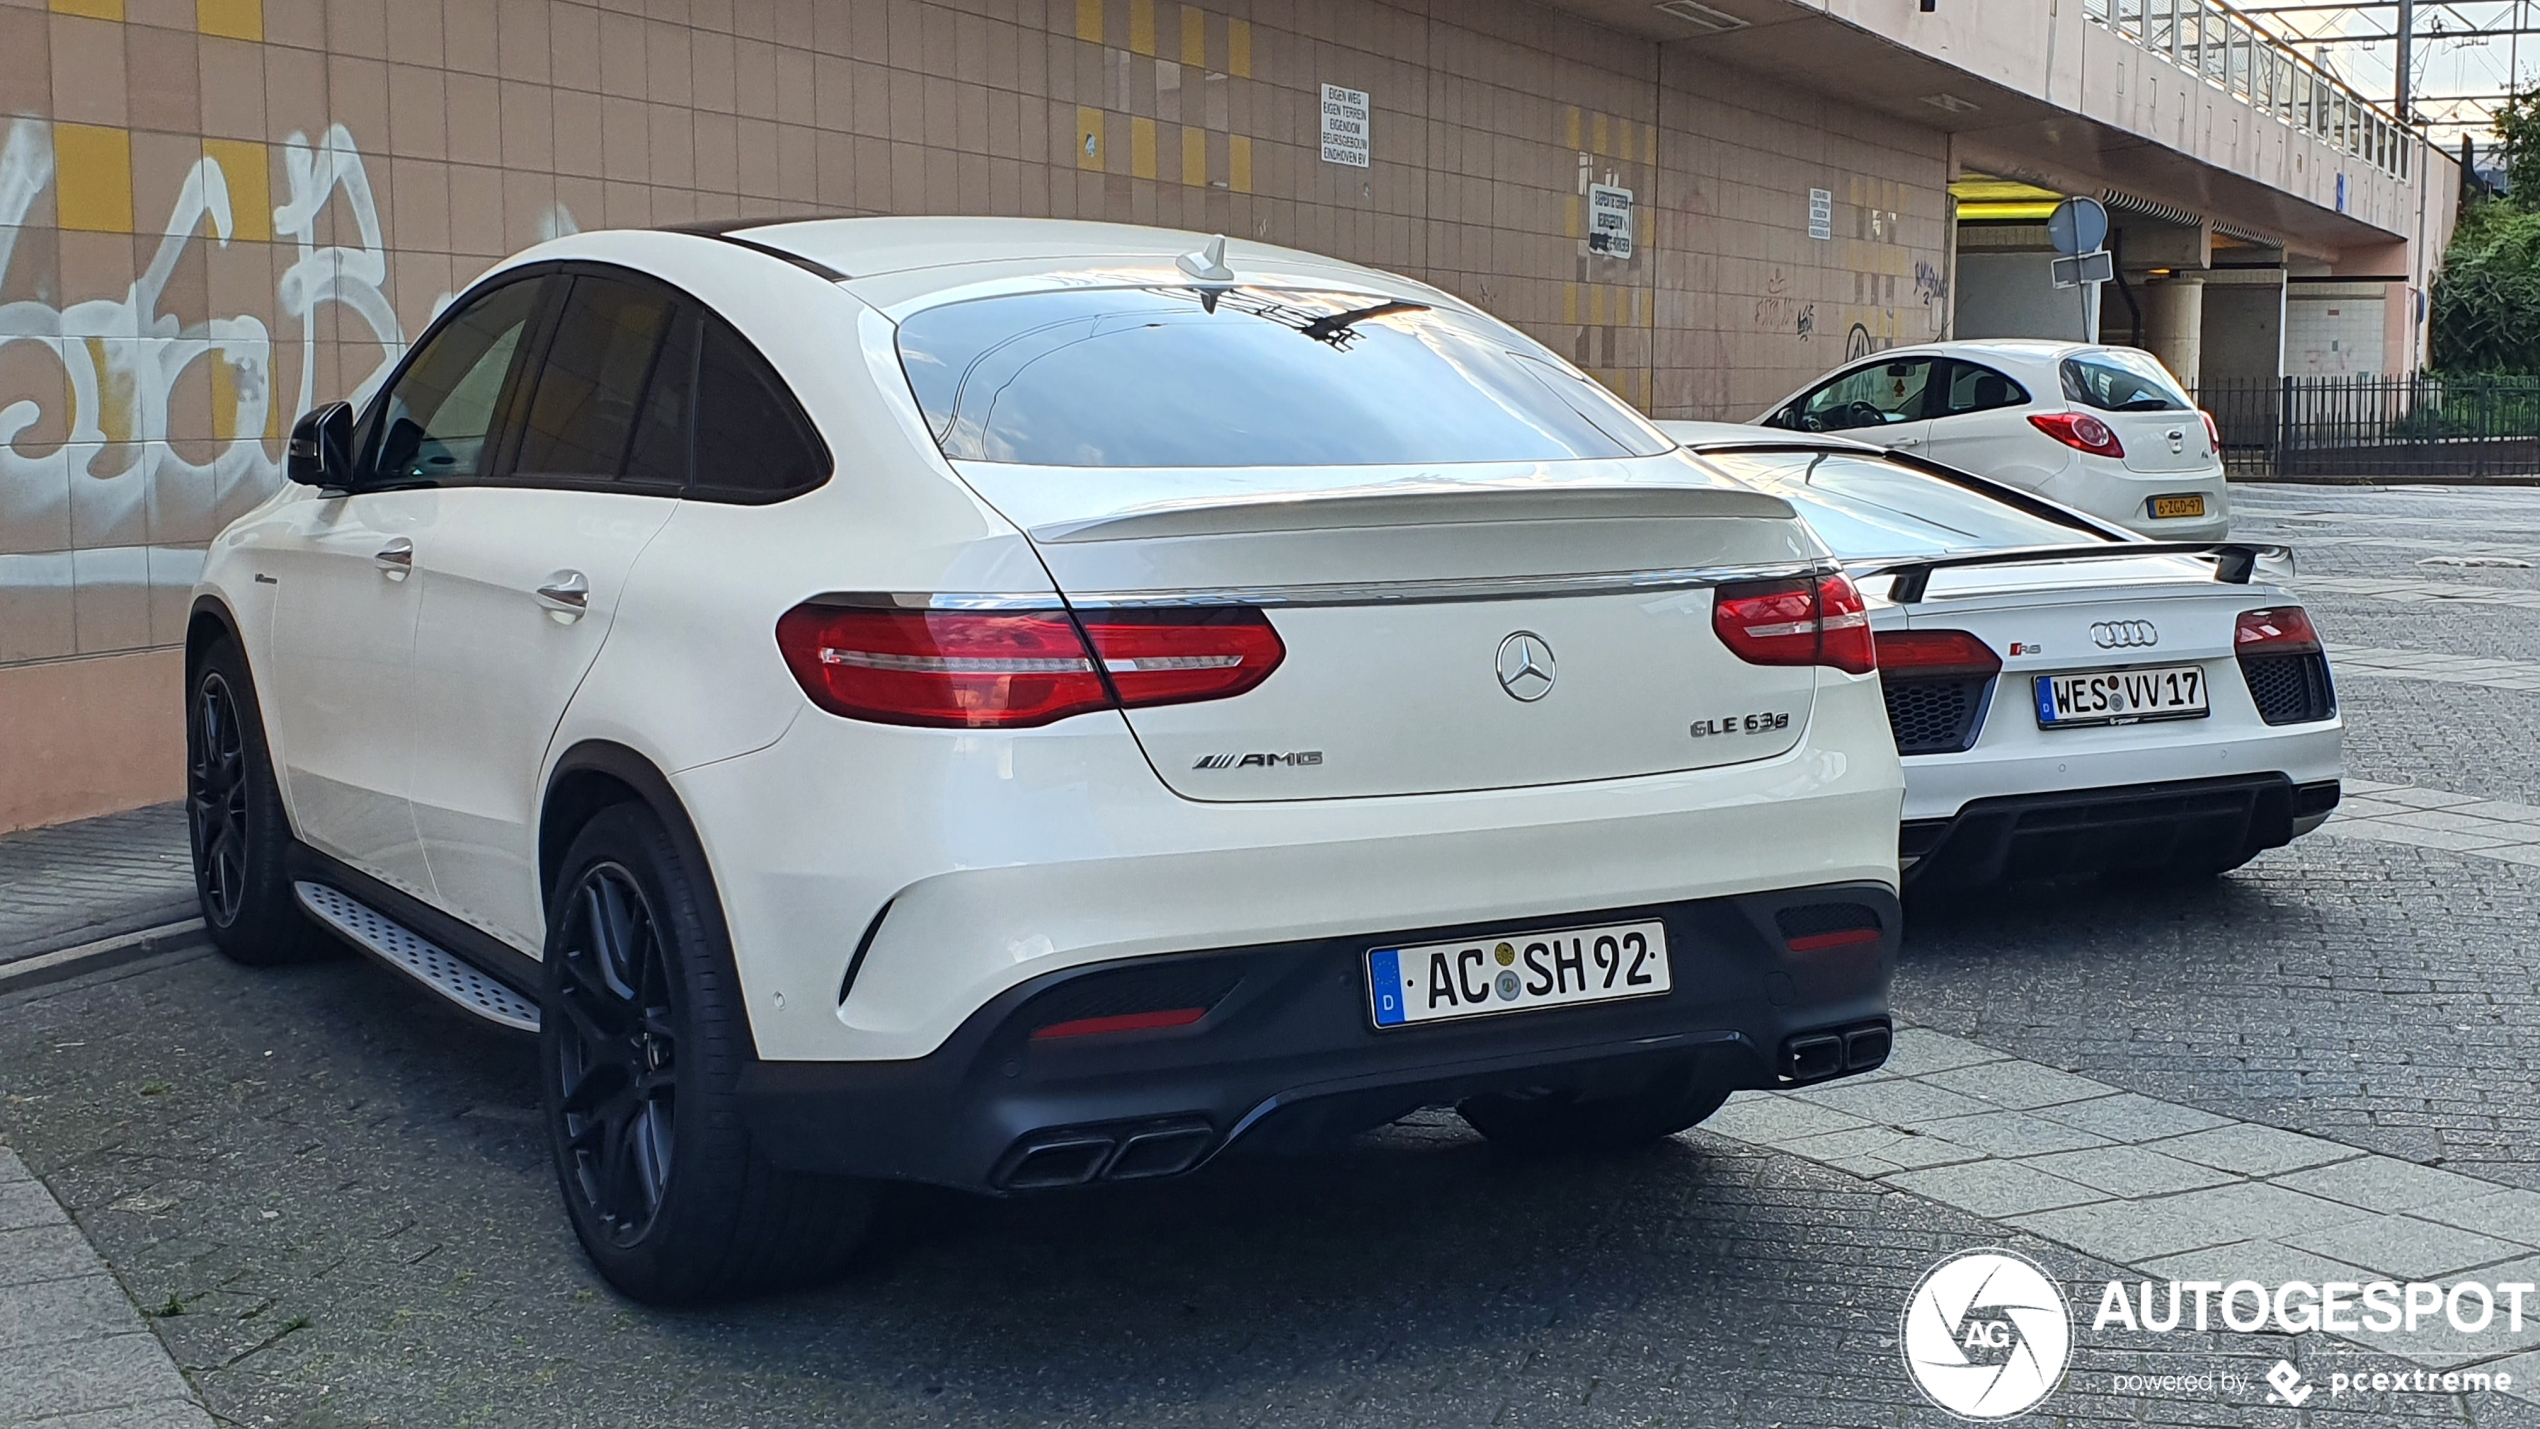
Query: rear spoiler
[[2234, 561]]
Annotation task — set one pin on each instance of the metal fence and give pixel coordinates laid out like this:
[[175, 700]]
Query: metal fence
[[2378, 426]]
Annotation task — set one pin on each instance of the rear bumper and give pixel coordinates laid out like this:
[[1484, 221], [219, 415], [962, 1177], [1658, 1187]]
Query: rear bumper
[[1287, 1056], [2101, 830]]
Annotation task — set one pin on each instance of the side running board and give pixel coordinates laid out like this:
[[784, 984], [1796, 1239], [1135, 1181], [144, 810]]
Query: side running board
[[426, 962]]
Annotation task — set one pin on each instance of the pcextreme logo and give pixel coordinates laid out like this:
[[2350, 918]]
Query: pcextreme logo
[[1986, 1334]]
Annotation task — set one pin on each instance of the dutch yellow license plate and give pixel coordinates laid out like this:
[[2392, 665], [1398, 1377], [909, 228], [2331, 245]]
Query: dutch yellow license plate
[[2165, 507]]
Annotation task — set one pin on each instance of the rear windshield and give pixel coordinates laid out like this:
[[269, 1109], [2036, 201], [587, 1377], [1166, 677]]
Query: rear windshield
[[1168, 376], [2119, 380], [1865, 508]]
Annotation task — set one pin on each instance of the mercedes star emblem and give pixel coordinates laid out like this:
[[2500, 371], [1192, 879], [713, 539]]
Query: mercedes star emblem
[[1525, 666]]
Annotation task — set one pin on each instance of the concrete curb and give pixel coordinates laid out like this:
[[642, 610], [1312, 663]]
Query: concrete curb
[[98, 956]]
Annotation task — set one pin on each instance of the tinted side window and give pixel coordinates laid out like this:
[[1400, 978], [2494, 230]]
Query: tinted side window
[[753, 442], [432, 425], [2122, 380], [1871, 396], [1980, 389], [590, 383], [660, 454]]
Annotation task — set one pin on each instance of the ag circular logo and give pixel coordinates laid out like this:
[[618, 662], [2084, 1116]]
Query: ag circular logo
[[1987, 1334]]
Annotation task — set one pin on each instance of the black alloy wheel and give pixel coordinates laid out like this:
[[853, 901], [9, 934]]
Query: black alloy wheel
[[618, 1057], [216, 799]]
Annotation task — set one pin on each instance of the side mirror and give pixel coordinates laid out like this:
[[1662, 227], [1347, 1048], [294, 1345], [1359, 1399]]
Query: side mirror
[[321, 451]]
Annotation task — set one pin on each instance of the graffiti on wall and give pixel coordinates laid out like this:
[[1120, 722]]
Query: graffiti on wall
[[92, 421]]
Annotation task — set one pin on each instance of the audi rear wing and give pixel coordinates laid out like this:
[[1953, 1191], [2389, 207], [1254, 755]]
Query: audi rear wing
[[2234, 561]]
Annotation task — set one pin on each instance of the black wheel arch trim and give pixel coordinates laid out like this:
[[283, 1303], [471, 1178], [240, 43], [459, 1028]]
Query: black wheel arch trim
[[618, 764]]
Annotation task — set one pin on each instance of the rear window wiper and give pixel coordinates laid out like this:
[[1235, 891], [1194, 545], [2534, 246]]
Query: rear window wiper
[[1324, 329]]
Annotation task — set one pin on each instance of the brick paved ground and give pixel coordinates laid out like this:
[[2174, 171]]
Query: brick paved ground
[[93, 879], [342, 1186]]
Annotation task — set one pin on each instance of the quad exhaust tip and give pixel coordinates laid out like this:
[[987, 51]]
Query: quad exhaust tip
[[1136, 1152]]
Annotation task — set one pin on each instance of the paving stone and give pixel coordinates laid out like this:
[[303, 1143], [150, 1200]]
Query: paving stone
[[80, 1307], [157, 1414], [2010, 1133], [2127, 1232], [24, 1203], [2406, 1248], [1919, 1051], [77, 1376], [2253, 1150], [2129, 1171], [2265, 1261], [2508, 1215], [1896, 1103], [2384, 1183], [2130, 1117], [1770, 1117], [1994, 1189], [43, 1252], [2019, 1086], [1878, 1150]]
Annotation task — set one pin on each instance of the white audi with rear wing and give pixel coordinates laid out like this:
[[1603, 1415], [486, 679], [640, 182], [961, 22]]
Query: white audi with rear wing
[[2067, 696], [1014, 704]]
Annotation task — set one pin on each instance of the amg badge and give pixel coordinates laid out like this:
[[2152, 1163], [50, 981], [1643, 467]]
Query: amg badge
[[1760, 722], [1298, 760]]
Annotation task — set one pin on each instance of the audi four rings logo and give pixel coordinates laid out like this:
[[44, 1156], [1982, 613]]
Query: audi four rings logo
[[2124, 634], [1525, 666]]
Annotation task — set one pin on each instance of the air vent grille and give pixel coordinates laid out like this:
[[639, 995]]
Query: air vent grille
[[1702, 17]]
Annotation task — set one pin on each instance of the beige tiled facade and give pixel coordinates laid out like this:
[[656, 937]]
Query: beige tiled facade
[[216, 212]]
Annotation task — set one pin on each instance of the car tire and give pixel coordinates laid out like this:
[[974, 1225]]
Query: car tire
[[643, 1041], [1552, 1123], [237, 831]]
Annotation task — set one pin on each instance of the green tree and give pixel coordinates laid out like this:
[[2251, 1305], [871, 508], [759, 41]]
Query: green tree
[[2487, 298], [2517, 126]]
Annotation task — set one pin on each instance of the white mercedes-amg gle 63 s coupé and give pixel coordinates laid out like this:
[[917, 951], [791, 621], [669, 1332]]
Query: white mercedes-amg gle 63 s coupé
[[1012, 704], [2068, 697]]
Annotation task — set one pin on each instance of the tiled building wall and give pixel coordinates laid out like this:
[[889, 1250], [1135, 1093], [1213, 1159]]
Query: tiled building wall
[[214, 213]]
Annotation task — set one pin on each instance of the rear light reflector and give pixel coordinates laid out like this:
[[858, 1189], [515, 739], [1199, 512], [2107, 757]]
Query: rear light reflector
[[2213, 434], [1797, 621], [1936, 654], [1123, 1022], [1815, 942], [2281, 630], [2080, 431], [963, 669]]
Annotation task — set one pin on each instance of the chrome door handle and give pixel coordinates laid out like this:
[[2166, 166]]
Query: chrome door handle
[[395, 559], [1909, 442], [566, 593]]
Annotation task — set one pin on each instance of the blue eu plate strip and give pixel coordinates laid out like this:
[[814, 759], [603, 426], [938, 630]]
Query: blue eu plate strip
[[1384, 979], [2045, 700]]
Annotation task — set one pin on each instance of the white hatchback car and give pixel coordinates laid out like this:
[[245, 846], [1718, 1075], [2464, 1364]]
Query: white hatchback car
[[1019, 704], [2068, 697], [2106, 430]]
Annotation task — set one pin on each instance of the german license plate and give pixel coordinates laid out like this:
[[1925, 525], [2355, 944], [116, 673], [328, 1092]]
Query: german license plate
[[2164, 507], [1517, 972], [2121, 696]]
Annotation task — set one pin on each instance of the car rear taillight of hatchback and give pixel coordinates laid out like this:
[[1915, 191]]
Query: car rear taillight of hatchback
[[963, 669], [1801, 620], [2080, 431]]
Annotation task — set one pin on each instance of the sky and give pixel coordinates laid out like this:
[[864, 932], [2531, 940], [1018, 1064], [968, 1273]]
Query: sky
[[2480, 58]]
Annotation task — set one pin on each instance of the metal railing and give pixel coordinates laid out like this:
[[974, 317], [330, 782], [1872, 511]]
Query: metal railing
[[2212, 40], [2378, 426]]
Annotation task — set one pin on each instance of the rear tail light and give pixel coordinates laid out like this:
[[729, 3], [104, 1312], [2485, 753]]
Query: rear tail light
[[1121, 1022], [1799, 621], [1936, 654], [1012, 669], [2080, 431], [2213, 434], [2282, 630]]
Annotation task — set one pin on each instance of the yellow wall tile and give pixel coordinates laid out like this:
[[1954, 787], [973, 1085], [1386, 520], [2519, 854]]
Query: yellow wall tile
[[1239, 48], [1089, 153], [1239, 163], [1089, 21], [1195, 156], [1142, 148], [1142, 26], [235, 19], [1574, 126], [1623, 141], [244, 165], [1570, 304], [92, 169], [1570, 216], [1194, 37], [93, 9]]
